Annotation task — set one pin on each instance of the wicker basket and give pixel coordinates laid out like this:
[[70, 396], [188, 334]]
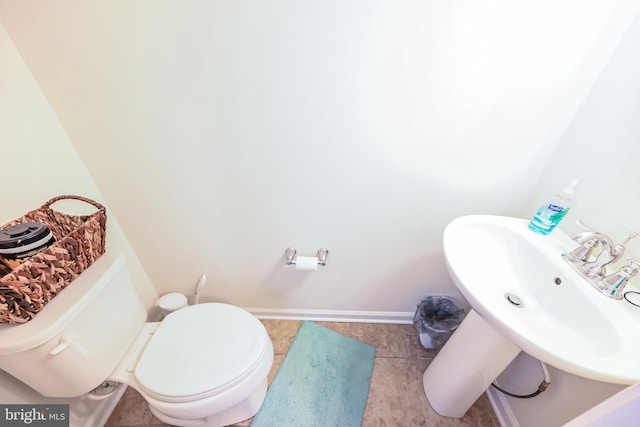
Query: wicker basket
[[80, 240]]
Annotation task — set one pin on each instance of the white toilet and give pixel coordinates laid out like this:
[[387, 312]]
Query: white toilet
[[205, 364]]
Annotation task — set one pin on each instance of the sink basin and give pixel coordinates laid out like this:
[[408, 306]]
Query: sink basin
[[562, 320], [525, 297]]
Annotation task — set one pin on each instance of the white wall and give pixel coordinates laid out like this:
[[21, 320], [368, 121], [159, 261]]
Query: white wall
[[38, 163], [223, 132], [219, 134], [601, 147]]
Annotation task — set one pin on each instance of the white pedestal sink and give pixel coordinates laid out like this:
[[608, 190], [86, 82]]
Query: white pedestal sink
[[472, 358], [524, 297]]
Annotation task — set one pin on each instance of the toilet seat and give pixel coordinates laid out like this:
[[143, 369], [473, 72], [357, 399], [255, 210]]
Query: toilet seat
[[200, 351]]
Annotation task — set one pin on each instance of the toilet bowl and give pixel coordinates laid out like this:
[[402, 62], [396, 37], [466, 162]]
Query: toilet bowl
[[204, 365], [205, 359]]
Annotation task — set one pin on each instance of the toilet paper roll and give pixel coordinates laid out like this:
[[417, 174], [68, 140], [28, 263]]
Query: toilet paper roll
[[306, 263]]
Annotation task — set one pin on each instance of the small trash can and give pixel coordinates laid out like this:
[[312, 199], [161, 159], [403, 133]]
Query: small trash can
[[436, 318]]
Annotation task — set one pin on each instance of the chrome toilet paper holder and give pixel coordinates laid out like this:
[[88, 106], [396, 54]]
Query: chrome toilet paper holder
[[292, 253]]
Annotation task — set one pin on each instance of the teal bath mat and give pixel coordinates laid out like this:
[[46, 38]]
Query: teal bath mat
[[322, 382]]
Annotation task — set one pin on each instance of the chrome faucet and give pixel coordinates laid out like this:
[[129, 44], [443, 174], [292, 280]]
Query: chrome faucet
[[610, 254], [588, 243], [594, 267]]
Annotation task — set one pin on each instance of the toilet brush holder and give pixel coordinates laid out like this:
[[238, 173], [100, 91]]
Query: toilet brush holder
[[172, 301]]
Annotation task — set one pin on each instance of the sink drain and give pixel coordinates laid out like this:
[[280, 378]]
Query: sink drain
[[514, 299]]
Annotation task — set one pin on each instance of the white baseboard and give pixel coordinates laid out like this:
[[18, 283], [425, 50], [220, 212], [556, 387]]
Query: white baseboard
[[403, 317], [100, 415], [501, 407]]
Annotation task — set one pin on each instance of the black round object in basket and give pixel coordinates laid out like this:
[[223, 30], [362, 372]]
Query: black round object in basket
[[21, 241]]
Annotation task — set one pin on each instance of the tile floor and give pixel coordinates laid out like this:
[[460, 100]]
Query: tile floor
[[396, 398]]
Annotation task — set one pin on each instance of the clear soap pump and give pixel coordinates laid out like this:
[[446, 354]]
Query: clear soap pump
[[549, 215]]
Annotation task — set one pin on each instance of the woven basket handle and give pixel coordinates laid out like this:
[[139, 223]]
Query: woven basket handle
[[100, 207]]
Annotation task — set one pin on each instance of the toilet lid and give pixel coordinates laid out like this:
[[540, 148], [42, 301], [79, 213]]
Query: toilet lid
[[199, 351]]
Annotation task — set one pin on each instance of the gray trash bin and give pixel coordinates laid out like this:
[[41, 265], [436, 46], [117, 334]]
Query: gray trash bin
[[436, 318]]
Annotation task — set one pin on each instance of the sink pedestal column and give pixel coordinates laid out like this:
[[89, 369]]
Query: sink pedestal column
[[466, 366]]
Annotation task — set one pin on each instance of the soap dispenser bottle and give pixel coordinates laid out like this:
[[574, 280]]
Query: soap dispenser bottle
[[549, 215]]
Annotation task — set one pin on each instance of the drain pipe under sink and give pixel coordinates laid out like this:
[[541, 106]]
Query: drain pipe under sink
[[542, 387]]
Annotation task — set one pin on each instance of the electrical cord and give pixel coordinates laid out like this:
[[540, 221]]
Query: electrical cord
[[542, 387]]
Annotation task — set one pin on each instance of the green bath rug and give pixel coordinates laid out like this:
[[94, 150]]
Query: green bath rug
[[322, 382]]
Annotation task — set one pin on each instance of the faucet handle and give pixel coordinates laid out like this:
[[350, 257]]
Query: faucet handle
[[630, 269], [632, 234], [581, 236], [613, 285], [580, 223], [634, 265], [619, 249]]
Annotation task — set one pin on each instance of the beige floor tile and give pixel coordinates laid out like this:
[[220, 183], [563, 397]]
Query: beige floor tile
[[396, 397], [418, 366], [414, 348], [393, 398], [132, 410], [281, 333], [277, 361], [339, 327], [481, 414], [387, 339]]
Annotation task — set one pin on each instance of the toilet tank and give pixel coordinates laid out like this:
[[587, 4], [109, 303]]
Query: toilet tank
[[79, 337]]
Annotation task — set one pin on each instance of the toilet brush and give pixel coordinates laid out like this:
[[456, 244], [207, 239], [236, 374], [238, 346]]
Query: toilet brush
[[199, 286]]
